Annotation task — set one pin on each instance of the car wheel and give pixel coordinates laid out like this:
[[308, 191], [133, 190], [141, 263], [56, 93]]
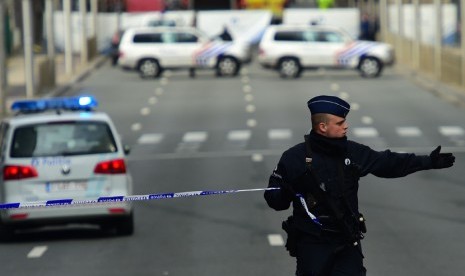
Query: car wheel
[[289, 68], [227, 66], [6, 232], [125, 226], [370, 67], [149, 68]]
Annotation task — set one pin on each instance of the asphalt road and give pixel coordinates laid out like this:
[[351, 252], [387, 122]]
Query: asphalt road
[[210, 133]]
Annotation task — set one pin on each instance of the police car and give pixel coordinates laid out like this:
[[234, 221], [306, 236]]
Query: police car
[[60, 148], [290, 49], [150, 50]]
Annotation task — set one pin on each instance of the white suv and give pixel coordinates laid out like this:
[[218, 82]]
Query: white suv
[[290, 49], [151, 50], [58, 148]]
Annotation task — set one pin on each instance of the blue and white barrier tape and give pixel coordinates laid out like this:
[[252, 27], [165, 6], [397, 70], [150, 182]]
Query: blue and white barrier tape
[[111, 199]]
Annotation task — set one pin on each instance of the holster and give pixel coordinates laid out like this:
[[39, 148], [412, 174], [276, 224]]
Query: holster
[[291, 242]]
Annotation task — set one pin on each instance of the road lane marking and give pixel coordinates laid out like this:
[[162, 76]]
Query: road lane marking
[[409, 131], [335, 87], [344, 95], [251, 123], [239, 135], [136, 127], [150, 138], [145, 111], [279, 134], [257, 157], [354, 106], [159, 91], [195, 137], [275, 240], [367, 120], [451, 131], [248, 97], [250, 108], [153, 100], [37, 252], [365, 132], [247, 88]]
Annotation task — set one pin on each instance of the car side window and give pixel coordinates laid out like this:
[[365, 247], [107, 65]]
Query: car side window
[[325, 36], [186, 38], [310, 36], [289, 36], [147, 38]]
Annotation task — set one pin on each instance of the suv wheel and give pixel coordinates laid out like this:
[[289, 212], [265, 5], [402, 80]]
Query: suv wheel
[[125, 226], [6, 232], [370, 67], [149, 68], [289, 68], [227, 66]]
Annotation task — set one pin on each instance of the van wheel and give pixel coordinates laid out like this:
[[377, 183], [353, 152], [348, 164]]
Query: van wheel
[[289, 68], [370, 67], [227, 66], [149, 68]]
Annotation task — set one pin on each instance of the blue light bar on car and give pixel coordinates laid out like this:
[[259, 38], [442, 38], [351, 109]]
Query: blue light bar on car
[[71, 103]]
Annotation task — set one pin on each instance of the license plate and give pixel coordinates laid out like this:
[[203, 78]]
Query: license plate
[[66, 186]]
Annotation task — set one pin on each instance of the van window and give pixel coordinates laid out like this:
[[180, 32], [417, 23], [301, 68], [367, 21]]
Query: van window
[[147, 38], [289, 36], [62, 138]]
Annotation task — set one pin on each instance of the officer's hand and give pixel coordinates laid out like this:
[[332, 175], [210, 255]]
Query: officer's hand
[[441, 160]]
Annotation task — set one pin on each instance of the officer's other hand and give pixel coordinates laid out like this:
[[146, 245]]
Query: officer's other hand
[[287, 190], [441, 160]]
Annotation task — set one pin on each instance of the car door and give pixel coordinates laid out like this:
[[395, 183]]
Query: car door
[[328, 44], [179, 48]]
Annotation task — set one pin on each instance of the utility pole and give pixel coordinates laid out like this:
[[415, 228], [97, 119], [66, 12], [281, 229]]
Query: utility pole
[[49, 22], [68, 37], [83, 15], [3, 64], [28, 51]]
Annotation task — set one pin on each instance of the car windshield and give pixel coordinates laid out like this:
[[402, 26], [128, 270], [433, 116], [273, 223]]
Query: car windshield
[[62, 138]]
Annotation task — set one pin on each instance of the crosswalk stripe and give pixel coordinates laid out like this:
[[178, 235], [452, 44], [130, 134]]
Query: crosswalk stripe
[[275, 240], [195, 137], [279, 134], [239, 135], [365, 132], [451, 131], [408, 131], [150, 138]]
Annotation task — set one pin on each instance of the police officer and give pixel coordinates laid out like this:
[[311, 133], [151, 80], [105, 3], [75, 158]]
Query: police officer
[[320, 177]]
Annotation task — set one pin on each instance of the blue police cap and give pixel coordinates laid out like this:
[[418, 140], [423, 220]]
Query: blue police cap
[[329, 104]]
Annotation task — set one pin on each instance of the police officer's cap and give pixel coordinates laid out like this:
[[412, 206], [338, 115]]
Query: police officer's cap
[[328, 104]]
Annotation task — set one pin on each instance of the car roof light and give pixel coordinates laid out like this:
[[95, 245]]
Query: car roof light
[[84, 103]]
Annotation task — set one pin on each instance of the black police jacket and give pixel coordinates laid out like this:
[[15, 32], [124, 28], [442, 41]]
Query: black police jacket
[[340, 175]]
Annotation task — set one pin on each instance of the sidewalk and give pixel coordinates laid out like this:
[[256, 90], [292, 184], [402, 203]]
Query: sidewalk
[[450, 93], [16, 88]]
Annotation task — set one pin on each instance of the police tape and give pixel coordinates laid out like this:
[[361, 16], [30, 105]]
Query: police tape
[[115, 199]]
